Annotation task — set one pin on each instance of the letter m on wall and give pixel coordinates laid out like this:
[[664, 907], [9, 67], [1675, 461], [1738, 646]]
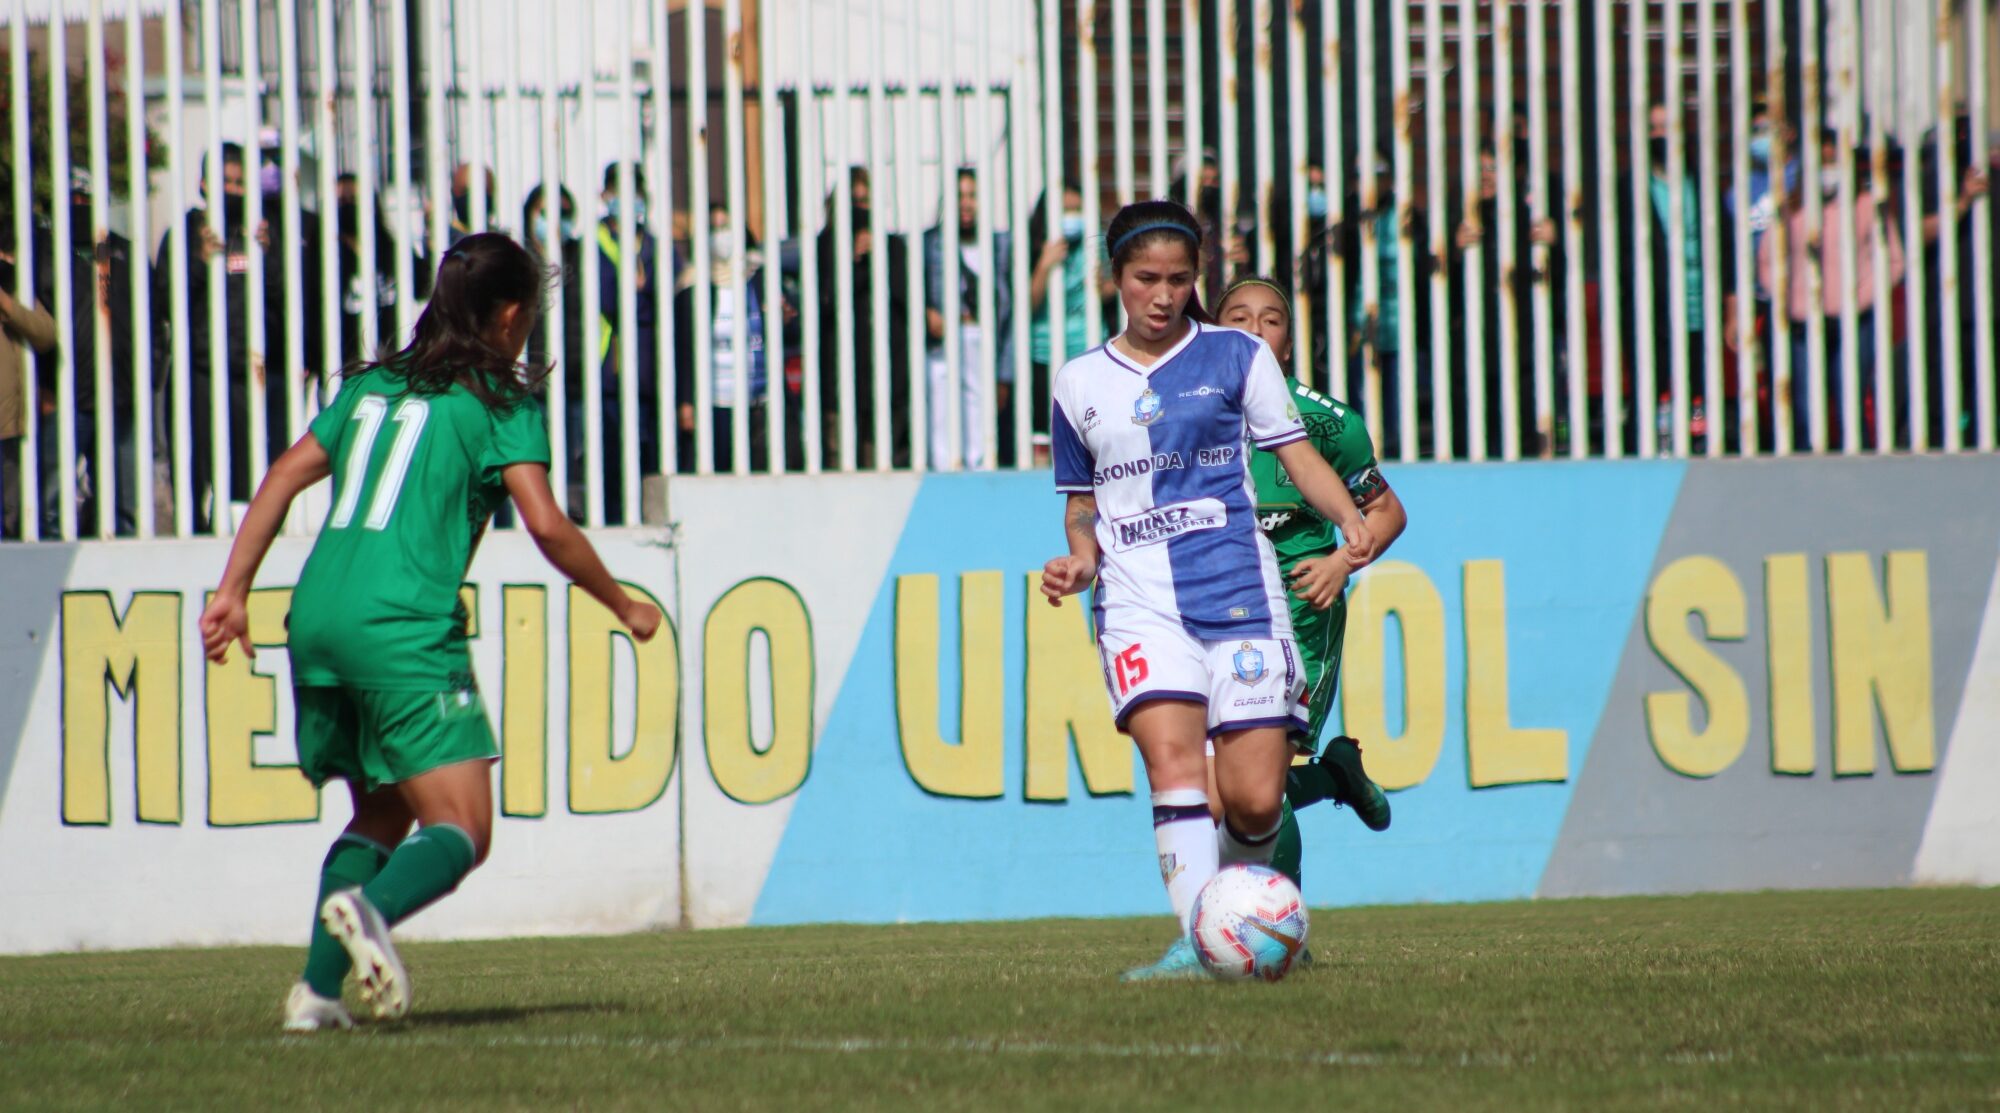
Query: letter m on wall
[[137, 659]]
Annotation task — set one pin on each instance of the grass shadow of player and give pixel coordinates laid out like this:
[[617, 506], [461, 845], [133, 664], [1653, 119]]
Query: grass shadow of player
[[507, 1014]]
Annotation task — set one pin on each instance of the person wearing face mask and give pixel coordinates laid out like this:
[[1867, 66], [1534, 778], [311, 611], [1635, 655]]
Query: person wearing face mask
[[1061, 247], [1381, 331], [233, 247], [733, 375], [1659, 194], [567, 264], [978, 263], [618, 210], [1826, 242], [896, 267]]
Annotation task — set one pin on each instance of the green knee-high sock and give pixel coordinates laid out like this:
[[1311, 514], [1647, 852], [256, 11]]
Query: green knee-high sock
[[426, 866], [1287, 856], [353, 860]]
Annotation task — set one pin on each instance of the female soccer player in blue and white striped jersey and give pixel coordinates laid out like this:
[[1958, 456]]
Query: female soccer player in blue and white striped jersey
[[1149, 435]]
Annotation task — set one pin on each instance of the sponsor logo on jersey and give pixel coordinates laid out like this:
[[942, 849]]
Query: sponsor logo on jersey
[[1201, 392], [1216, 457], [1148, 408], [1271, 521], [1090, 419], [1248, 663], [1145, 465], [1162, 523]]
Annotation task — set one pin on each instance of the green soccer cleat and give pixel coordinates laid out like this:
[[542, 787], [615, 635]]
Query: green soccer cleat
[[1341, 759], [306, 1011], [354, 924], [1179, 962]]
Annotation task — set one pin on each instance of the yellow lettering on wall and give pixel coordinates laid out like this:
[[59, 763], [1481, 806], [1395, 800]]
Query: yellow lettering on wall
[[973, 767], [468, 601], [1496, 751], [743, 770], [600, 782], [1881, 651], [1705, 586], [242, 704], [1788, 640], [139, 658], [1401, 589], [524, 700], [1065, 699]]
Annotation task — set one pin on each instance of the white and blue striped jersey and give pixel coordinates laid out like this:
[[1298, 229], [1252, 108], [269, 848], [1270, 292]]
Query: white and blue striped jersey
[[1162, 449]]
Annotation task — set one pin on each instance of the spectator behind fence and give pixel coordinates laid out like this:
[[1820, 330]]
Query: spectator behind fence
[[362, 294], [1972, 185], [1483, 231], [204, 245], [1058, 246], [897, 268], [24, 329], [725, 363], [461, 205], [1656, 285], [1381, 330], [611, 343], [1826, 242], [978, 263]]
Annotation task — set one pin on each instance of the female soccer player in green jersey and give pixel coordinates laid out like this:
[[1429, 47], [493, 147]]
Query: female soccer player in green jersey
[[1307, 547], [422, 446]]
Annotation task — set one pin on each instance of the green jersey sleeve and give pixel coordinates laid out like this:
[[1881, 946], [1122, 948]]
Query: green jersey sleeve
[[329, 426], [1351, 452], [520, 436]]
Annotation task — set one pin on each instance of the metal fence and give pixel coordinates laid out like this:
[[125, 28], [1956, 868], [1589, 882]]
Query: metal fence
[[1513, 229]]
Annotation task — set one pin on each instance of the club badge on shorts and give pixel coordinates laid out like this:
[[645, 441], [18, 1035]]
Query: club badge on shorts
[[1147, 409], [1249, 662]]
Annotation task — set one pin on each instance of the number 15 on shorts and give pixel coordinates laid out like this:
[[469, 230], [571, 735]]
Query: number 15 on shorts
[[1130, 666]]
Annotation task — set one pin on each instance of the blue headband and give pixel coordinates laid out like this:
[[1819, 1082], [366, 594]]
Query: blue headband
[[1118, 245]]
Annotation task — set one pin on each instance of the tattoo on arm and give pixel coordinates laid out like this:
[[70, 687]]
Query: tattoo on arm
[[1083, 515]]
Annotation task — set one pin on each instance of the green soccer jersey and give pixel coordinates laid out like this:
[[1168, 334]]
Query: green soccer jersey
[[415, 477], [1296, 530]]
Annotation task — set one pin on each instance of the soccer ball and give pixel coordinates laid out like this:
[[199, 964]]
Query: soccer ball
[[1249, 922]]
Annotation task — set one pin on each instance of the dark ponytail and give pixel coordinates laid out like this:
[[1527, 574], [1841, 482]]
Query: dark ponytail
[[1142, 224], [449, 347]]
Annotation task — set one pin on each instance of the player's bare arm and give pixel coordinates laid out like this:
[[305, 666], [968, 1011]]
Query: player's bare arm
[[1324, 492], [1067, 575], [226, 618], [570, 551], [1320, 580]]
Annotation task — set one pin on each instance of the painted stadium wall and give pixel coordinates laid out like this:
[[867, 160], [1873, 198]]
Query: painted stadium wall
[[1590, 678]]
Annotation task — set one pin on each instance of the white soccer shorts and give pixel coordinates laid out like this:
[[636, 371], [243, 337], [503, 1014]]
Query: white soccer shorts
[[1244, 682]]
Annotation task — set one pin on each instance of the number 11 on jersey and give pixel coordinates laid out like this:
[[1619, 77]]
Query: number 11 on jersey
[[368, 413]]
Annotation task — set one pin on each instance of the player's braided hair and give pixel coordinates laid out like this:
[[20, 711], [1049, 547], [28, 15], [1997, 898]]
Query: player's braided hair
[[1142, 224], [450, 345]]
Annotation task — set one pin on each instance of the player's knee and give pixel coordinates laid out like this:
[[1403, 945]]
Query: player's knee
[[1254, 810]]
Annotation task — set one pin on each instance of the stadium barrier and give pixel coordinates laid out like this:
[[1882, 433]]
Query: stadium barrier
[[780, 117], [1577, 677]]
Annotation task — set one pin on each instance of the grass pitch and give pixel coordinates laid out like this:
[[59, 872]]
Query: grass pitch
[[1861, 1000]]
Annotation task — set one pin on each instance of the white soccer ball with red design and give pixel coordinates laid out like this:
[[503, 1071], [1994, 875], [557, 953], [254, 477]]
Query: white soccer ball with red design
[[1249, 922]]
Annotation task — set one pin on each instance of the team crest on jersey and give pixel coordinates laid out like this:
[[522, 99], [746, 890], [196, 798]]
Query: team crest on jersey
[[1147, 409], [1249, 663]]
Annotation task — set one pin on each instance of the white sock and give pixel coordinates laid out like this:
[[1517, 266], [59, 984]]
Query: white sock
[[1185, 835], [1232, 848]]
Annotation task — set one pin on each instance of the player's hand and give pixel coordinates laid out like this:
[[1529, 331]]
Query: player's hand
[[1066, 575], [1320, 580], [643, 619], [1359, 545], [226, 619]]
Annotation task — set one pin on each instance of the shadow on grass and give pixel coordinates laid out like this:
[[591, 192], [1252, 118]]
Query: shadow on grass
[[507, 1014]]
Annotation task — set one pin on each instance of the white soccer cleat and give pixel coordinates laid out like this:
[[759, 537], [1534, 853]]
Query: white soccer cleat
[[306, 1011], [355, 924]]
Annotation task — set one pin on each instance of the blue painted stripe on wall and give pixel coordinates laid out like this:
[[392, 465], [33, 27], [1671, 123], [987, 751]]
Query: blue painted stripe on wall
[[866, 843]]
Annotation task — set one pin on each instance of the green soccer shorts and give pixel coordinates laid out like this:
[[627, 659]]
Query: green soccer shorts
[[1318, 635], [376, 738]]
